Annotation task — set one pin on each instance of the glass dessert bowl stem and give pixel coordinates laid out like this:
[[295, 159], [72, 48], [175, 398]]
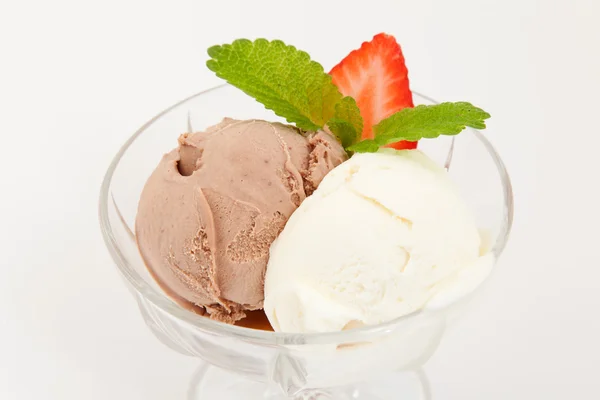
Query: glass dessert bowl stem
[[283, 365], [211, 382]]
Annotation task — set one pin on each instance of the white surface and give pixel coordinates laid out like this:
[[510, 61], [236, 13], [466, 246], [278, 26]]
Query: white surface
[[392, 254], [78, 77]]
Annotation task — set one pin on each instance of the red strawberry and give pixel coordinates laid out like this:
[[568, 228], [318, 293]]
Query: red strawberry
[[376, 76]]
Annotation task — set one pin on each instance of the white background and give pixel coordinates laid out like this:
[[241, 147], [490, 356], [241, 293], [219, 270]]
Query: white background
[[78, 77]]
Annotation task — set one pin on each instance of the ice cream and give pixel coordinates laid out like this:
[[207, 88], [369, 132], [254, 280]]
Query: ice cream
[[383, 235], [340, 244], [210, 210]]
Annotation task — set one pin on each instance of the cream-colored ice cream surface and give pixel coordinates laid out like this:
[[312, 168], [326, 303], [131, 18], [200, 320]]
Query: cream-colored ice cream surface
[[384, 235], [213, 206]]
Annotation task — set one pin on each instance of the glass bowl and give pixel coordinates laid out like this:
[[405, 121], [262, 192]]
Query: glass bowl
[[243, 363]]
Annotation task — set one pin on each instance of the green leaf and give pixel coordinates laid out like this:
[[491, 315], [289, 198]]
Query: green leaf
[[421, 122], [429, 122], [347, 123], [280, 77], [364, 146], [343, 130]]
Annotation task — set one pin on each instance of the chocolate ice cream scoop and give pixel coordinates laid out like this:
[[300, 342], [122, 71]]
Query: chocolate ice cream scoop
[[211, 209]]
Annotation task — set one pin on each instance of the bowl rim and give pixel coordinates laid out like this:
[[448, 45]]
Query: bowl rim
[[164, 303]]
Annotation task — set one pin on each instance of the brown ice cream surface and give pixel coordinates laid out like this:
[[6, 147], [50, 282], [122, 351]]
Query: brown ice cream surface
[[211, 209]]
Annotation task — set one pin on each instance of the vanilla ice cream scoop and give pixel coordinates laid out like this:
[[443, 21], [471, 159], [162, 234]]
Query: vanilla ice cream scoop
[[385, 234]]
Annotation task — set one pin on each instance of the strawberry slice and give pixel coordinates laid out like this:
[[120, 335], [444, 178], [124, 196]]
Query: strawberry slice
[[377, 78]]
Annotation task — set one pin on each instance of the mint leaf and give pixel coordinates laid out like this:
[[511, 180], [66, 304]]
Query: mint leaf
[[365, 146], [343, 130], [347, 123], [429, 122], [421, 122], [280, 77]]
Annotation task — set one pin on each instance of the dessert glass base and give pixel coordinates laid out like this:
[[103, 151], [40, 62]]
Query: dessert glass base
[[245, 363], [214, 383]]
